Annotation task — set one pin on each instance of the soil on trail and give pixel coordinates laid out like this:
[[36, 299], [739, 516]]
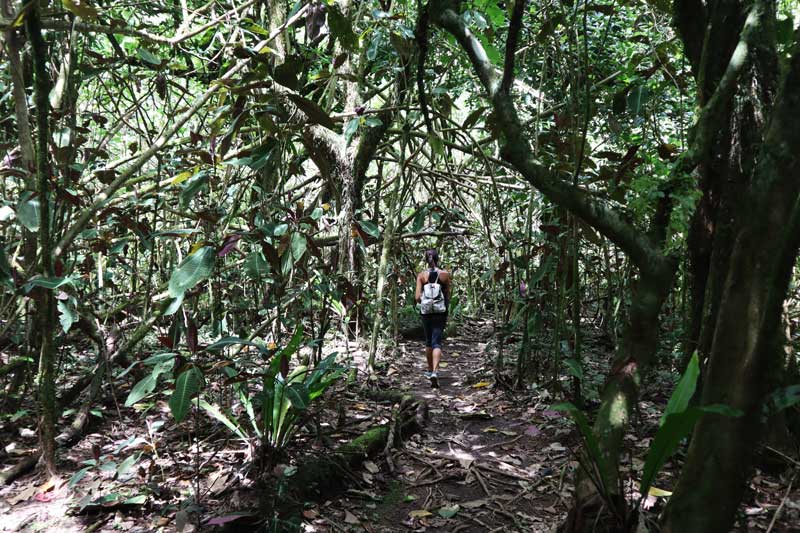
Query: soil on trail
[[487, 460]]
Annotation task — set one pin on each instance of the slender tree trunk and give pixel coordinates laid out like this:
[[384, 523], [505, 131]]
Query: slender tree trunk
[[46, 303], [618, 400], [388, 237]]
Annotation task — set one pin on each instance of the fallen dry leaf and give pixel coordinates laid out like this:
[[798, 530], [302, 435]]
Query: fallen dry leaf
[[24, 495], [350, 518], [474, 504]]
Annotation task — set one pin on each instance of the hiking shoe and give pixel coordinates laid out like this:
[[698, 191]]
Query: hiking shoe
[[428, 374], [434, 380]]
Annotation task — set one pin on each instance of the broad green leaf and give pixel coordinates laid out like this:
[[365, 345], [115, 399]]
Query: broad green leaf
[[298, 395], [217, 414], [183, 176], [350, 129], [195, 268], [159, 358], [298, 245], [786, 397], [436, 144], [139, 499], [574, 368], [676, 427], [28, 212], [317, 213], [67, 314], [684, 390], [126, 465], [148, 57], [419, 220], [637, 97], [193, 186], [294, 343], [371, 228], [49, 283], [186, 387], [78, 476], [144, 387], [148, 384], [256, 266]]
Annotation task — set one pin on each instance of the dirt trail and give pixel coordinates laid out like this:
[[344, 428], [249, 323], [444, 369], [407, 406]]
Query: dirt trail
[[486, 461]]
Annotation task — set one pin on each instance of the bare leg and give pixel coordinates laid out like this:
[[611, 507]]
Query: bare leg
[[429, 356], [436, 356]]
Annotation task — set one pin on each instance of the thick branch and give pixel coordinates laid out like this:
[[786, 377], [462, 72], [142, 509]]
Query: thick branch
[[712, 114], [517, 150], [511, 44]]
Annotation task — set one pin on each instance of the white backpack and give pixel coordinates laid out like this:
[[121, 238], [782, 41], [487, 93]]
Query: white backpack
[[432, 301]]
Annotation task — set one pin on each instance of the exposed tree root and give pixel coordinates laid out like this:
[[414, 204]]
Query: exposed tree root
[[320, 475]]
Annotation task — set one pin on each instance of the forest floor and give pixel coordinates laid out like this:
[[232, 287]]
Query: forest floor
[[489, 459]]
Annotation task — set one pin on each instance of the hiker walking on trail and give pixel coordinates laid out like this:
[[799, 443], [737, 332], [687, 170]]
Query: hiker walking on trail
[[433, 295]]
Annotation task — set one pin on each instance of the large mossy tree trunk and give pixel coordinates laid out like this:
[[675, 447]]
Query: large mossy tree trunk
[[747, 341]]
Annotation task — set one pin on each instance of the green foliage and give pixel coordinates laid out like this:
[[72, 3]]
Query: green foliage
[[161, 364], [192, 270], [186, 388], [28, 211], [684, 390]]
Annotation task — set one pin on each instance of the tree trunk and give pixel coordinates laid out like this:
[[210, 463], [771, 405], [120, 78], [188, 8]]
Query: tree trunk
[[747, 342], [618, 400], [46, 305]]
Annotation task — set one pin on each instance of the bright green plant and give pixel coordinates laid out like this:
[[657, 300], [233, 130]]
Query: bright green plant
[[676, 424], [283, 399]]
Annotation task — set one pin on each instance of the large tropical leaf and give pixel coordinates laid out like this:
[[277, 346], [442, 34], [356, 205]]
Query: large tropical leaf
[[195, 268], [163, 363], [684, 390], [28, 212], [675, 428], [186, 387], [216, 413]]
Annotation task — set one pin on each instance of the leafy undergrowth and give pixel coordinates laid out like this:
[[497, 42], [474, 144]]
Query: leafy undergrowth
[[489, 459]]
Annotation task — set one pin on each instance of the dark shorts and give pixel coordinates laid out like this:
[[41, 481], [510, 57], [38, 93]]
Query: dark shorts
[[434, 328]]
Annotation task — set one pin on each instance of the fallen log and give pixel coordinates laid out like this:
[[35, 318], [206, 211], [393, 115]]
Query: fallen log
[[320, 475]]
